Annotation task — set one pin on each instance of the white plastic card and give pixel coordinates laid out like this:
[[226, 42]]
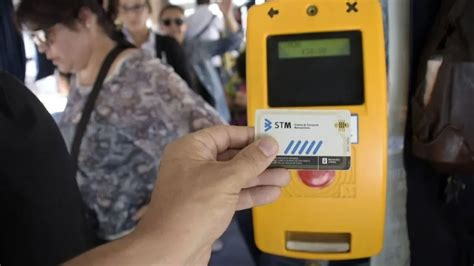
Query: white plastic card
[[308, 139]]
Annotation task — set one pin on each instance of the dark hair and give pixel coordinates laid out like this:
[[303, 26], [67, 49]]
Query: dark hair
[[169, 7], [43, 14], [203, 2], [112, 10], [147, 4]]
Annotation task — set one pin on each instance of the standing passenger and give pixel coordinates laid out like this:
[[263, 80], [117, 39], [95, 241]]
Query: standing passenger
[[134, 15], [200, 52], [203, 24], [141, 107]]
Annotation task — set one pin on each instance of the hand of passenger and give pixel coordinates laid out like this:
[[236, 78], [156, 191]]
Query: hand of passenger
[[226, 7], [203, 178]]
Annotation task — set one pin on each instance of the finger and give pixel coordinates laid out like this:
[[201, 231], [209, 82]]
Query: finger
[[227, 155], [256, 196], [271, 177], [221, 138], [139, 214], [252, 161]]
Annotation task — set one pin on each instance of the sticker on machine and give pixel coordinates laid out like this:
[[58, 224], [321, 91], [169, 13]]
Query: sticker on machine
[[308, 139]]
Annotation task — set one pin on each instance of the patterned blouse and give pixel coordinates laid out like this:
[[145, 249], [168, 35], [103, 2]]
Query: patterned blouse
[[141, 108]]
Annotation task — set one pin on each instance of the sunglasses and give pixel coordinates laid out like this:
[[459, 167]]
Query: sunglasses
[[177, 21], [132, 8]]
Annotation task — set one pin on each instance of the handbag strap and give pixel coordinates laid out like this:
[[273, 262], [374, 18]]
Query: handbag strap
[[206, 27], [90, 103], [448, 14]]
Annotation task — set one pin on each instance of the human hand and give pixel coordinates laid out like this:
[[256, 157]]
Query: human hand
[[226, 7], [203, 178]]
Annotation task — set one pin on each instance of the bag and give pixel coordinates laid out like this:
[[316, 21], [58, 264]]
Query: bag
[[443, 113]]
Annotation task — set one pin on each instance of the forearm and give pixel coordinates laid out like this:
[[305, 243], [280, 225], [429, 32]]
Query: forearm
[[168, 240], [136, 249], [231, 25]]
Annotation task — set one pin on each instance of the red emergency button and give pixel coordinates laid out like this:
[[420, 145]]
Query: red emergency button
[[317, 179]]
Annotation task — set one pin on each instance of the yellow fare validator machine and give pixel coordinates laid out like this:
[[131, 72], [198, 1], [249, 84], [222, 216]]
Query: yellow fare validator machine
[[323, 55]]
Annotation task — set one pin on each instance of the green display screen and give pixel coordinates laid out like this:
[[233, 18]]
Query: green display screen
[[314, 48]]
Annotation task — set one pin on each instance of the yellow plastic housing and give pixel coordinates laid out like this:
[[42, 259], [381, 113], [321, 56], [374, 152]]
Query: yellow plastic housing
[[353, 206]]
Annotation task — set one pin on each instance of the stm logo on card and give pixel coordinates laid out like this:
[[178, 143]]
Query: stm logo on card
[[268, 125], [308, 139]]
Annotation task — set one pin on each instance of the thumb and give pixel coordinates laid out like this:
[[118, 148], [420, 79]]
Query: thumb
[[254, 159]]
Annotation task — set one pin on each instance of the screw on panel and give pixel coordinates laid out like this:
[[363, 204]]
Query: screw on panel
[[312, 10]]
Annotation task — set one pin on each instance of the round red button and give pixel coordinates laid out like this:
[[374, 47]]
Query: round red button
[[317, 179]]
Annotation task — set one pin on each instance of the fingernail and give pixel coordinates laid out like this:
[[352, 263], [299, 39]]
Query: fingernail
[[268, 146]]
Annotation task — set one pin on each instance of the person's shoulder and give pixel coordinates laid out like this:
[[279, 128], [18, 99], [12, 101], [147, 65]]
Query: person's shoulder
[[133, 60], [13, 94], [21, 113], [141, 70], [5, 79]]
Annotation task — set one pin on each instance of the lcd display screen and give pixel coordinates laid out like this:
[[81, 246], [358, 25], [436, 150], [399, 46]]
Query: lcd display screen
[[314, 48], [315, 69]]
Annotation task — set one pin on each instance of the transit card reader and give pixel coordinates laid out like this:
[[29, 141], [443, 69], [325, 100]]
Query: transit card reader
[[323, 55]]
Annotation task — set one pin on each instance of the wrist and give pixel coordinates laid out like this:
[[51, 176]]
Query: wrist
[[169, 240], [158, 248], [229, 15]]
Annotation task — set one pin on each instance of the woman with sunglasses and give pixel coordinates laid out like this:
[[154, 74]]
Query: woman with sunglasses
[[134, 15], [124, 121], [172, 24]]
